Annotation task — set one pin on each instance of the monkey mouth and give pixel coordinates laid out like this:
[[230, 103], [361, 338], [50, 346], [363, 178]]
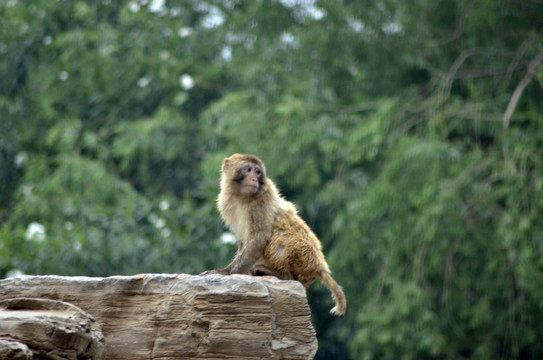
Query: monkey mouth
[[250, 188]]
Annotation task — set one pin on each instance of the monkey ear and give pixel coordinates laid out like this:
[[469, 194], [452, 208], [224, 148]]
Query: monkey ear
[[224, 164]]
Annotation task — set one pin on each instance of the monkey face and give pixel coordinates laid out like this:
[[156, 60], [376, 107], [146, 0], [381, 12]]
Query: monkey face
[[246, 172], [249, 177]]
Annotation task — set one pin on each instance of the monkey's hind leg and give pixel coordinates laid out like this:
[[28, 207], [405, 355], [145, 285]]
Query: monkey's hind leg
[[262, 268]]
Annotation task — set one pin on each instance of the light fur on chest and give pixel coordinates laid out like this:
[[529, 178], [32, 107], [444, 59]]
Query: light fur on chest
[[237, 220]]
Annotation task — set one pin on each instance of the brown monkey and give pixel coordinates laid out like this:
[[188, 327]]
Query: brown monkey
[[272, 238]]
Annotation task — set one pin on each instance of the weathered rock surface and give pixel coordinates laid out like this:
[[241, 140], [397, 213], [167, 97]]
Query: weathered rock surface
[[162, 316], [48, 329], [14, 350]]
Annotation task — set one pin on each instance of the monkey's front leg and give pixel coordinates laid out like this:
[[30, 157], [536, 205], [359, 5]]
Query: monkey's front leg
[[227, 270], [230, 269], [250, 251]]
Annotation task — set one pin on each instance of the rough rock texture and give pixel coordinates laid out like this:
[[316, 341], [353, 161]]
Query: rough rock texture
[[48, 329], [14, 350], [159, 316]]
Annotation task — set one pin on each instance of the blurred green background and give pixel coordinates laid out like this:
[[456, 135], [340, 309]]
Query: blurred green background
[[408, 133]]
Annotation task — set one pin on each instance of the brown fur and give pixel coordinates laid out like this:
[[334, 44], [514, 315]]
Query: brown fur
[[272, 238]]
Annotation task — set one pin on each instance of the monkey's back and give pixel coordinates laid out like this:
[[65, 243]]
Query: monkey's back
[[293, 250]]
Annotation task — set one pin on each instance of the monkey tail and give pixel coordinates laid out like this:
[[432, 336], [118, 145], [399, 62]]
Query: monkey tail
[[337, 293]]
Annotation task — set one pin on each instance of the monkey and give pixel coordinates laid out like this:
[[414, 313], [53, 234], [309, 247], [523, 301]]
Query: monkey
[[272, 238]]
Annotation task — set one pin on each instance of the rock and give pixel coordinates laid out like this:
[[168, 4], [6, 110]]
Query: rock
[[14, 350], [162, 316], [48, 329]]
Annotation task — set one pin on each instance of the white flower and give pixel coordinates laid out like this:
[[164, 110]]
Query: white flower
[[47, 40], [165, 232], [164, 205], [35, 232], [228, 238], [27, 189], [63, 76], [156, 221], [226, 53], [77, 246], [160, 223], [186, 81], [20, 159], [134, 6], [143, 82], [184, 32], [156, 6]]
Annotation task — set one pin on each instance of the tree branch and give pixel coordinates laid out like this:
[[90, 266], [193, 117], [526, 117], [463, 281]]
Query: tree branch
[[518, 56], [520, 89]]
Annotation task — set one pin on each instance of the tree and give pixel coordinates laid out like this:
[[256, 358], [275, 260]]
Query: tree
[[407, 133], [100, 148]]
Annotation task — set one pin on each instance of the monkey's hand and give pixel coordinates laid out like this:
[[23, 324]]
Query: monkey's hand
[[215, 272]]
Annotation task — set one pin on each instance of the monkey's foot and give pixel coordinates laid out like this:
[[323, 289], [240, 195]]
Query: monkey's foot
[[214, 272]]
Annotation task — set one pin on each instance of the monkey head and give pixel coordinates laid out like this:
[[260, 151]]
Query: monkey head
[[246, 171]]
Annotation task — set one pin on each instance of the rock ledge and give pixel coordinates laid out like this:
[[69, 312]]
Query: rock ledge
[[164, 316]]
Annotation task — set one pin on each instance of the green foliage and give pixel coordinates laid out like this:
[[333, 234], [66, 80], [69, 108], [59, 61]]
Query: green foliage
[[383, 121]]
